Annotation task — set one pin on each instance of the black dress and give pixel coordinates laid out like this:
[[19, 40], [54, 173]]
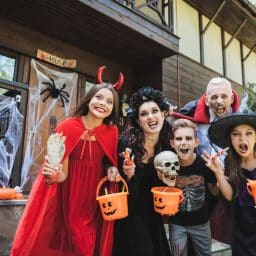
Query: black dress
[[142, 232], [244, 220]]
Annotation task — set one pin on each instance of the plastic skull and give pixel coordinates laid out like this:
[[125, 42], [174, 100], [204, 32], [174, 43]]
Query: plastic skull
[[167, 164]]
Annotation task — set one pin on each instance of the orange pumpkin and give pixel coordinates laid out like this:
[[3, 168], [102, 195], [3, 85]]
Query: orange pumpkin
[[19, 196], [7, 193]]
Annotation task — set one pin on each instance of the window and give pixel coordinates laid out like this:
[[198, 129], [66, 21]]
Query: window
[[11, 131], [7, 67], [87, 87], [11, 121], [4, 121]]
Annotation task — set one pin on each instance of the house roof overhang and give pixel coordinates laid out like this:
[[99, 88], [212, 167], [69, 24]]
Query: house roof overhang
[[102, 27], [232, 15]]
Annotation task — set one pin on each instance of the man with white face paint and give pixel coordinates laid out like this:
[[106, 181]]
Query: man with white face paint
[[219, 100], [219, 97]]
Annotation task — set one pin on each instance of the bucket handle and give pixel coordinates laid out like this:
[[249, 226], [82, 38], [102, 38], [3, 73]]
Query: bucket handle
[[181, 198], [104, 179]]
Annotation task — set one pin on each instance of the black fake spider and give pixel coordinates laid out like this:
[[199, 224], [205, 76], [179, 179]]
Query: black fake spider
[[55, 92]]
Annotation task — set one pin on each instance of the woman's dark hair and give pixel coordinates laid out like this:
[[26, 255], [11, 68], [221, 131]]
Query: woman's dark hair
[[146, 94], [82, 109], [233, 164], [232, 168], [134, 133]]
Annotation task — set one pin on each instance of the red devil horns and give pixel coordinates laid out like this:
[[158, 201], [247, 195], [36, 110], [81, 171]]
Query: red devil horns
[[117, 85], [99, 74], [120, 81]]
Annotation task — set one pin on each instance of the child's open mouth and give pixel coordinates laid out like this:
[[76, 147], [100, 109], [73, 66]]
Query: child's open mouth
[[184, 150], [243, 148]]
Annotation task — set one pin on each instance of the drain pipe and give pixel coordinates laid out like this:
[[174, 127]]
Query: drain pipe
[[178, 82]]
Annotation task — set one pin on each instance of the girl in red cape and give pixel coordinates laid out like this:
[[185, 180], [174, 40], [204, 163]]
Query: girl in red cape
[[62, 217]]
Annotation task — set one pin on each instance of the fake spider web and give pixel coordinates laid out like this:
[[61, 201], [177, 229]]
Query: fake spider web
[[11, 123], [39, 114]]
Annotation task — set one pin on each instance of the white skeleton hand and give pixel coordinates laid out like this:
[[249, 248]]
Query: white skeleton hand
[[55, 148]]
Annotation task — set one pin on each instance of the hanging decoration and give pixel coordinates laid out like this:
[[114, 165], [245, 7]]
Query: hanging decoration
[[55, 60], [40, 113], [11, 123], [54, 92]]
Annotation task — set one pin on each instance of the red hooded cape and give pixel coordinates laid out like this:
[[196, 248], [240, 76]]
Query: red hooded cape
[[43, 221], [201, 114]]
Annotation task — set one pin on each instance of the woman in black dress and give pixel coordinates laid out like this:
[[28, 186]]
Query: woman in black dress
[[147, 133]]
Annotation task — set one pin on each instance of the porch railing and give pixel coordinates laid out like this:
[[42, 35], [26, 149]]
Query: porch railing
[[159, 11]]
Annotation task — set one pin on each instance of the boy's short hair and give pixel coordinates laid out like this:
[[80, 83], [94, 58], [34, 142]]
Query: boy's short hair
[[184, 123]]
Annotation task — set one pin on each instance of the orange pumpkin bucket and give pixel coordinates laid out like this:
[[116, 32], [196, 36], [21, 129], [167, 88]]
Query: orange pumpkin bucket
[[167, 199], [113, 206], [251, 187]]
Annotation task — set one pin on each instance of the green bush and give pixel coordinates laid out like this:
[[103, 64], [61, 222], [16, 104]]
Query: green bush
[[251, 90]]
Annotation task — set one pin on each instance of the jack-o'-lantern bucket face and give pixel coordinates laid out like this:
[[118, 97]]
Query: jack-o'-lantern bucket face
[[108, 208], [251, 188], [113, 206], [159, 203], [167, 200]]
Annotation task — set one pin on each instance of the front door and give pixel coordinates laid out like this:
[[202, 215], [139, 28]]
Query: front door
[[52, 97]]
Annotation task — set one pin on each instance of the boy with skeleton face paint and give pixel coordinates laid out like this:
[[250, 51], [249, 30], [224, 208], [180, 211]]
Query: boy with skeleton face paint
[[193, 178], [218, 100]]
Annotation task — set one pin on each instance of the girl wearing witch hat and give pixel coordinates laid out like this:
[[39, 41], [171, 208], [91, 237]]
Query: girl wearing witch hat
[[238, 133]]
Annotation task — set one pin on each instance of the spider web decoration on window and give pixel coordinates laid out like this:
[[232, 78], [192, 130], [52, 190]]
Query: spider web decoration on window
[[11, 123]]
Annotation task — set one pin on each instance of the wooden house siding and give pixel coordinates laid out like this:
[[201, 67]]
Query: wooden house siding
[[185, 80]]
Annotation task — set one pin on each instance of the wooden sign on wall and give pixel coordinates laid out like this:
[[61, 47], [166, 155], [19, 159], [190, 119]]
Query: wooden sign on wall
[[65, 63]]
